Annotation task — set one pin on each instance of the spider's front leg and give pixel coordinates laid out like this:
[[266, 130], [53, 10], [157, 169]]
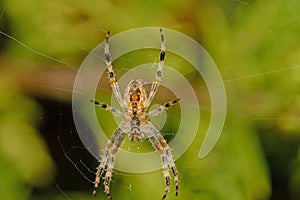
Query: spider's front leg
[[108, 154], [158, 75], [111, 74]]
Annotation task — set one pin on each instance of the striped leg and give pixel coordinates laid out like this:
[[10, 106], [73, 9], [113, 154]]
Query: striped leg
[[158, 76], [105, 155], [111, 74], [173, 168], [162, 108], [163, 148], [110, 109], [110, 164], [164, 159]]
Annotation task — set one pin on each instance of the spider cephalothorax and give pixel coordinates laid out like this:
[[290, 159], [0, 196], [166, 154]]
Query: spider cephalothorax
[[135, 97], [135, 122]]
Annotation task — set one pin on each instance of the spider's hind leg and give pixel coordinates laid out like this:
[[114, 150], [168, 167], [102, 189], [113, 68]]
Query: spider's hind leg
[[160, 144], [107, 158], [110, 163]]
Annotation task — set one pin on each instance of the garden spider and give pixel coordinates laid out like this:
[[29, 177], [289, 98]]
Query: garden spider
[[135, 122]]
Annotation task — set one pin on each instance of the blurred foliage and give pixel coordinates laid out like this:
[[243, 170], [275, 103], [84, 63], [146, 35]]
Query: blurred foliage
[[24, 160], [255, 44]]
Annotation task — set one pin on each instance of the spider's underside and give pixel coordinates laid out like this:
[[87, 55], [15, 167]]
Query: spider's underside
[[135, 122]]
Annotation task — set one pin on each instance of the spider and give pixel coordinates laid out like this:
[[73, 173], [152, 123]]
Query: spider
[[135, 122]]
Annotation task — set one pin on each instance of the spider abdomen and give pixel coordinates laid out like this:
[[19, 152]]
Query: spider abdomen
[[135, 131]]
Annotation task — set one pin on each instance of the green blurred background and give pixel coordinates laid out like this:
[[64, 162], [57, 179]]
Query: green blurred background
[[255, 44]]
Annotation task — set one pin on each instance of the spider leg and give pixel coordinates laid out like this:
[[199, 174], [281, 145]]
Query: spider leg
[[162, 108], [111, 74], [173, 168], [106, 152], [158, 76], [110, 164], [110, 109], [163, 148]]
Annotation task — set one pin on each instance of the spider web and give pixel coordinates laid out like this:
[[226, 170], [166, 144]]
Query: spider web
[[76, 167]]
